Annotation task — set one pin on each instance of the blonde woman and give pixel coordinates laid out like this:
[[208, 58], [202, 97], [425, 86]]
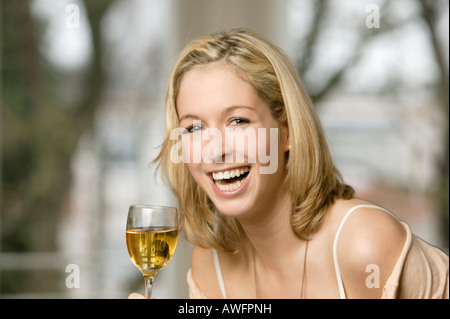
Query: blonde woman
[[259, 197]]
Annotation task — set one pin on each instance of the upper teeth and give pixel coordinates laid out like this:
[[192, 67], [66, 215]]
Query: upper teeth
[[229, 174]]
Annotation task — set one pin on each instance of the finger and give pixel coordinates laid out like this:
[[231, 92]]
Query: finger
[[135, 295]]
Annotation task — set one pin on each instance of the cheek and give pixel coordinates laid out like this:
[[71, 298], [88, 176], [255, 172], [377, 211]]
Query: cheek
[[197, 175], [268, 145], [191, 150], [191, 147], [194, 169]]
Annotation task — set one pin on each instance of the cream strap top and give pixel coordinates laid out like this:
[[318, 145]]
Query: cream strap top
[[336, 264], [338, 232]]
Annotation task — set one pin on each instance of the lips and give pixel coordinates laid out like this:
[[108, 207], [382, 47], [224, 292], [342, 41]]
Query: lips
[[230, 180]]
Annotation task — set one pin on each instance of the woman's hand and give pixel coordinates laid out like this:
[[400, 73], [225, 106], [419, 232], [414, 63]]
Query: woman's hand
[[136, 295]]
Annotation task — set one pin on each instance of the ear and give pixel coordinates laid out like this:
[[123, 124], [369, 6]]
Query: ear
[[285, 138]]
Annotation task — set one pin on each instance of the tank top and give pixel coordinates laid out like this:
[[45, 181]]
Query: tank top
[[417, 257]]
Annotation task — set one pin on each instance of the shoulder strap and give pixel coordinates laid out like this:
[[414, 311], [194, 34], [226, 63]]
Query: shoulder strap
[[338, 232], [219, 274]]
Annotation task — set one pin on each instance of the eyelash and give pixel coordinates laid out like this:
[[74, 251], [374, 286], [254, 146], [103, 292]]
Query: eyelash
[[242, 121], [190, 128]]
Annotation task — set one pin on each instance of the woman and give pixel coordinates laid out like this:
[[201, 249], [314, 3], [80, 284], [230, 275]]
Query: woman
[[269, 214]]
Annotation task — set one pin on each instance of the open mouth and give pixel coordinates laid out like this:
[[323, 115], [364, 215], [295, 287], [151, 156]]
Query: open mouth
[[230, 180]]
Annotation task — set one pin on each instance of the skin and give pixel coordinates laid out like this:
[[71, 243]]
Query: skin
[[215, 108], [210, 94]]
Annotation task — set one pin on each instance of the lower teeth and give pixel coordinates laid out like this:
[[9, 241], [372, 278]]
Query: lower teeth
[[229, 187]]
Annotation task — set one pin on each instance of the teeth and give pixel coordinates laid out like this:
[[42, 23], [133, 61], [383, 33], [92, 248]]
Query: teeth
[[218, 177], [228, 187], [229, 174]]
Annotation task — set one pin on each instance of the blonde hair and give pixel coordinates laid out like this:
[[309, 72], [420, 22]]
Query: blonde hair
[[312, 180]]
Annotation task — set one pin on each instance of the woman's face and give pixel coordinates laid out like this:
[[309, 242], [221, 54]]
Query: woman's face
[[233, 146]]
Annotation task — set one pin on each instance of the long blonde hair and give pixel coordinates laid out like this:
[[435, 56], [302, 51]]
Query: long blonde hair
[[312, 180]]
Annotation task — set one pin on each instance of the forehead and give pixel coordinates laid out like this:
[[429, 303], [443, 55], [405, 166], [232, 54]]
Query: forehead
[[215, 86]]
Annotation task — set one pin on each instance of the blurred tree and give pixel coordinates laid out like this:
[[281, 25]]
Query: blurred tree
[[36, 136], [40, 131], [95, 80], [322, 13], [429, 15]]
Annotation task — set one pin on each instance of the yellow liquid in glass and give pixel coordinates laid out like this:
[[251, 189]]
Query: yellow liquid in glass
[[151, 248]]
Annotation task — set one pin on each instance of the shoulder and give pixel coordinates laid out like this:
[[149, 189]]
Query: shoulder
[[204, 271], [369, 245]]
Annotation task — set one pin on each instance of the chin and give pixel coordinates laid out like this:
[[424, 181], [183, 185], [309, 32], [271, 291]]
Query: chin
[[235, 210]]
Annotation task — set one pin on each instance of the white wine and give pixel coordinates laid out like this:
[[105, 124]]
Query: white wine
[[151, 248]]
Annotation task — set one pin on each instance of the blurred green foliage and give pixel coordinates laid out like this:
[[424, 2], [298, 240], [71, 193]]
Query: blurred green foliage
[[40, 130], [37, 137]]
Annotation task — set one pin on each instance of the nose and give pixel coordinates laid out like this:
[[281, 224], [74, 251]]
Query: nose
[[218, 149]]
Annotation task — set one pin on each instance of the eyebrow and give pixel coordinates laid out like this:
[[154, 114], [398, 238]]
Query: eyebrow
[[188, 116], [227, 110]]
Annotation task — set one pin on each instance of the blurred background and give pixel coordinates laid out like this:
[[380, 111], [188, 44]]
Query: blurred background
[[82, 117]]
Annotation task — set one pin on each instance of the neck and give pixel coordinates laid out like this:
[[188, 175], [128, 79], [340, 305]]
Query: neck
[[270, 234]]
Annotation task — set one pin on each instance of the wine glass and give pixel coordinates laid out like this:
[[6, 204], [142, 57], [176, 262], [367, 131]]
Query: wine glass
[[152, 235]]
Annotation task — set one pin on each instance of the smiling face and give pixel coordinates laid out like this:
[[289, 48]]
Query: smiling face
[[216, 103]]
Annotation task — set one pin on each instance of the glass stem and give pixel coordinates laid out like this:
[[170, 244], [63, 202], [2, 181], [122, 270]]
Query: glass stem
[[148, 286]]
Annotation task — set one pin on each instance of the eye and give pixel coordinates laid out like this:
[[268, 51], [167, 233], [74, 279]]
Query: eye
[[196, 127], [238, 121]]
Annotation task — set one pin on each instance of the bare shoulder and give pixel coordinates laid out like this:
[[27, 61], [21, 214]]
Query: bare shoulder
[[204, 273], [370, 243]]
